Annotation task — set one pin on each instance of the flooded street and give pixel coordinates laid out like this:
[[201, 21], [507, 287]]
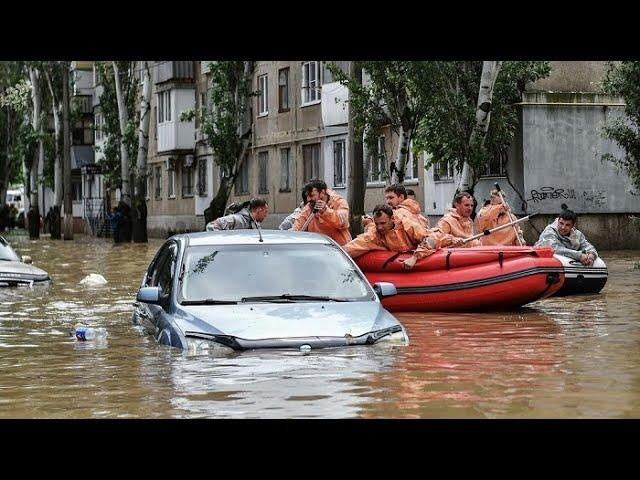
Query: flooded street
[[576, 357]]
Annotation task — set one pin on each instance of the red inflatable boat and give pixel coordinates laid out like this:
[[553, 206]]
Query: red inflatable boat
[[466, 279]]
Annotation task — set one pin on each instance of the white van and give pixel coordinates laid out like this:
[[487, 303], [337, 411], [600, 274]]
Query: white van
[[16, 197]]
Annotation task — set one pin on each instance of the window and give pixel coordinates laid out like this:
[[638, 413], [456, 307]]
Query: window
[[263, 171], [97, 76], [83, 131], [411, 172], [339, 163], [285, 168], [164, 106], [202, 177], [171, 180], [327, 76], [187, 181], [263, 95], [496, 165], [158, 184], [378, 163], [311, 81], [149, 187], [203, 101], [442, 171], [283, 90], [76, 190], [98, 123], [311, 161], [242, 180]]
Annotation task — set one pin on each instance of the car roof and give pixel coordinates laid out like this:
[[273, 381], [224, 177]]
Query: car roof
[[251, 237]]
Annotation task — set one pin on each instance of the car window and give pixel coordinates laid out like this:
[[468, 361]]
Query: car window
[[152, 273], [166, 269], [230, 273], [7, 253]]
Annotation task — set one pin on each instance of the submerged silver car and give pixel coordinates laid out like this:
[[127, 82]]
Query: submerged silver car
[[246, 289], [16, 270]]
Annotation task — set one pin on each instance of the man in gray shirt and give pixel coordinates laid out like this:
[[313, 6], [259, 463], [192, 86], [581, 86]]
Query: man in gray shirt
[[247, 218], [568, 240]]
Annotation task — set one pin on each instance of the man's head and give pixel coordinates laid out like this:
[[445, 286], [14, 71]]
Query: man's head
[[395, 194], [316, 190], [411, 194], [259, 209], [463, 203], [304, 195], [495, 197], [566, 220], [383, 218]]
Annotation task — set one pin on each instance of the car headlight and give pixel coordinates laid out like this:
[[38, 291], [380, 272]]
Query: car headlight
[[201, 346], [396, 338]]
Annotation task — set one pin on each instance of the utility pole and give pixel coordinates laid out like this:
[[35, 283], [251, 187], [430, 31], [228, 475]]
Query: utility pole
[[356, 162], [66, 155]]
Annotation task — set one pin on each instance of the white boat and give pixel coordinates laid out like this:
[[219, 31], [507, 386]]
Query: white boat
[[579, 278]]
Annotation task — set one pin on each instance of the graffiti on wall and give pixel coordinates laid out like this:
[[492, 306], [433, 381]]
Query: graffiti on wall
[[587, 198], [551, 193]]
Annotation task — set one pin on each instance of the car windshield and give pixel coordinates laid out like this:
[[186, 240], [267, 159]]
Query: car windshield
[[6, 252], [237, 273]]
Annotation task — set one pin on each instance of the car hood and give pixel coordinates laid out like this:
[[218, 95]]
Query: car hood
[[256, 321], [19, 270]]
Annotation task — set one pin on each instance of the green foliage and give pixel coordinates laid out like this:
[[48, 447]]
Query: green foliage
[[16, 134], [111, 128], [396, 96], [440, 100], [624, 80], [222, 121], [446, 130]]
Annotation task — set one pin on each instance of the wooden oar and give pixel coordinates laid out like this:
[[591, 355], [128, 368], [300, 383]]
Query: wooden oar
[[511, 217], [506, 225]]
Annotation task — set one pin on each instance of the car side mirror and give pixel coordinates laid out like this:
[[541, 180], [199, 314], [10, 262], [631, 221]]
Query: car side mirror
[[26, 259], [385, 289], [149, 295]]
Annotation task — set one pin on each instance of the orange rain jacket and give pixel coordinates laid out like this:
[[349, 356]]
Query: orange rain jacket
[[458, 226], [333, 222], [493, 216], [407, 234], [412, 208]]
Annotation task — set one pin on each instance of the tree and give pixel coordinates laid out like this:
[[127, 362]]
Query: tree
[[14, 92], [396, 95], [52, 72], [121, 122], [465, 96], [139, 210], [624, 80], [225, 126]]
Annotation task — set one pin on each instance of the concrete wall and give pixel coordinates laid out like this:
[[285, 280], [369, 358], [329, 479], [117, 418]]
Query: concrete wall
[[562, 147]]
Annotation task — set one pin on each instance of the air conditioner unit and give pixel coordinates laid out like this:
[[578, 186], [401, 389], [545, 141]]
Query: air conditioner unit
[[199, 135], [189, 160]]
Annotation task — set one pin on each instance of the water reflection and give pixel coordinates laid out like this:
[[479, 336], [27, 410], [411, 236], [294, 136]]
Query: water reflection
[[561, 357]]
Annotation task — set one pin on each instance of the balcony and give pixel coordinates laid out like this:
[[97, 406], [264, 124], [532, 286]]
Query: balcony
[[334, 106], [174, 135], [173, 71]]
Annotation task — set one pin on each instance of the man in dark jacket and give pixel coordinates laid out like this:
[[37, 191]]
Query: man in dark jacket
[[246, 218]]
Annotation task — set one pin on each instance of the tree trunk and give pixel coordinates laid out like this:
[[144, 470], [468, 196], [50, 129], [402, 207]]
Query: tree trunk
[[34, 212], [125, 190], [490, 72], [139, 211], [66, 155], [356, 163], [55, 226], [402, 154]]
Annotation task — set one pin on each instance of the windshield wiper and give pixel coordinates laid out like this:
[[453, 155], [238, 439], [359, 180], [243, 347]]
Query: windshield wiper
[[286, 297], [209, 301]]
